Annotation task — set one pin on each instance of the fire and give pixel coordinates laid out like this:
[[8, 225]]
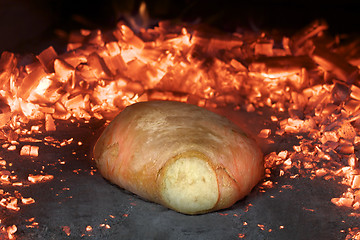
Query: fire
[[8, 232], [311, 92], [11, 230], [28, 150], [39, 178], [67, 230]]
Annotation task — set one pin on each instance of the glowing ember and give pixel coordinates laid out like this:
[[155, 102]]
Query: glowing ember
[[107, 226], [264, 133], [28, 150], [39, 178], [27, 200], [67, 230], [261, 226], [11, 230], [354, 234]]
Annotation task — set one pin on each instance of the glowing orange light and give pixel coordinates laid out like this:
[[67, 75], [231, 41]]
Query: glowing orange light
[[309, 90], [39, 178], [67, 230]]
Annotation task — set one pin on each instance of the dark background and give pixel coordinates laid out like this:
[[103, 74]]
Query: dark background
[[30, 26]]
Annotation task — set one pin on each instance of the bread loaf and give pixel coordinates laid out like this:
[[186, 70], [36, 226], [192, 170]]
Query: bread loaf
[[179, 155]]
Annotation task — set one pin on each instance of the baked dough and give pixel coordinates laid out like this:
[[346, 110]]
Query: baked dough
[[179, 155]]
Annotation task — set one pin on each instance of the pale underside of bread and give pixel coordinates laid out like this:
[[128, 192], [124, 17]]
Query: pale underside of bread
[[179, 155]]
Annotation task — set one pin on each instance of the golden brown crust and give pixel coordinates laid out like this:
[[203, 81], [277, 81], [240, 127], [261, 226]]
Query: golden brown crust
[[145, 136]]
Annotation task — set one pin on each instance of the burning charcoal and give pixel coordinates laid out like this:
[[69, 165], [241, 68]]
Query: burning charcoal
[[350, 48], [66, 229], [346, 130], [264, 133], [98, 67], [96, 38], [135, 87], [10, 133], [10, 231], [317, 102], [8, 61], [5, 177], [345, 148], [75, 102], [353, 161], [165, 95], [13, 204], [25, 150], [63, 71], [334, 156], [329, 139], [5, 118], [228, 99], [250, 107], [78, 37], [356, 206], [237, 65], [356, 182], [39, 178], [343, 202], [299, 101], [49, 123], [283, 66], [292, 125], [8, 69], [61, 112], [299, 39], [321, 172], [280, 64], [81, 114], [74, 59], [335, 64], [30, 82], [295, 113], [355, 92], [357, 195], [28, 150], [73, 46], [264, 47], [47, 57], [124, 33], [217, 43], [340, 92], [47, 110], [196, 100], [136, 70], [46, 92], [329, 110], [286, 45], [283, 154], [352, 106], [27, 201], [84, 73], [115, 62]]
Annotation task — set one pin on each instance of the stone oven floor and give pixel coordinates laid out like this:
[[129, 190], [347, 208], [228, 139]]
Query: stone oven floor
[[77, 197]]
